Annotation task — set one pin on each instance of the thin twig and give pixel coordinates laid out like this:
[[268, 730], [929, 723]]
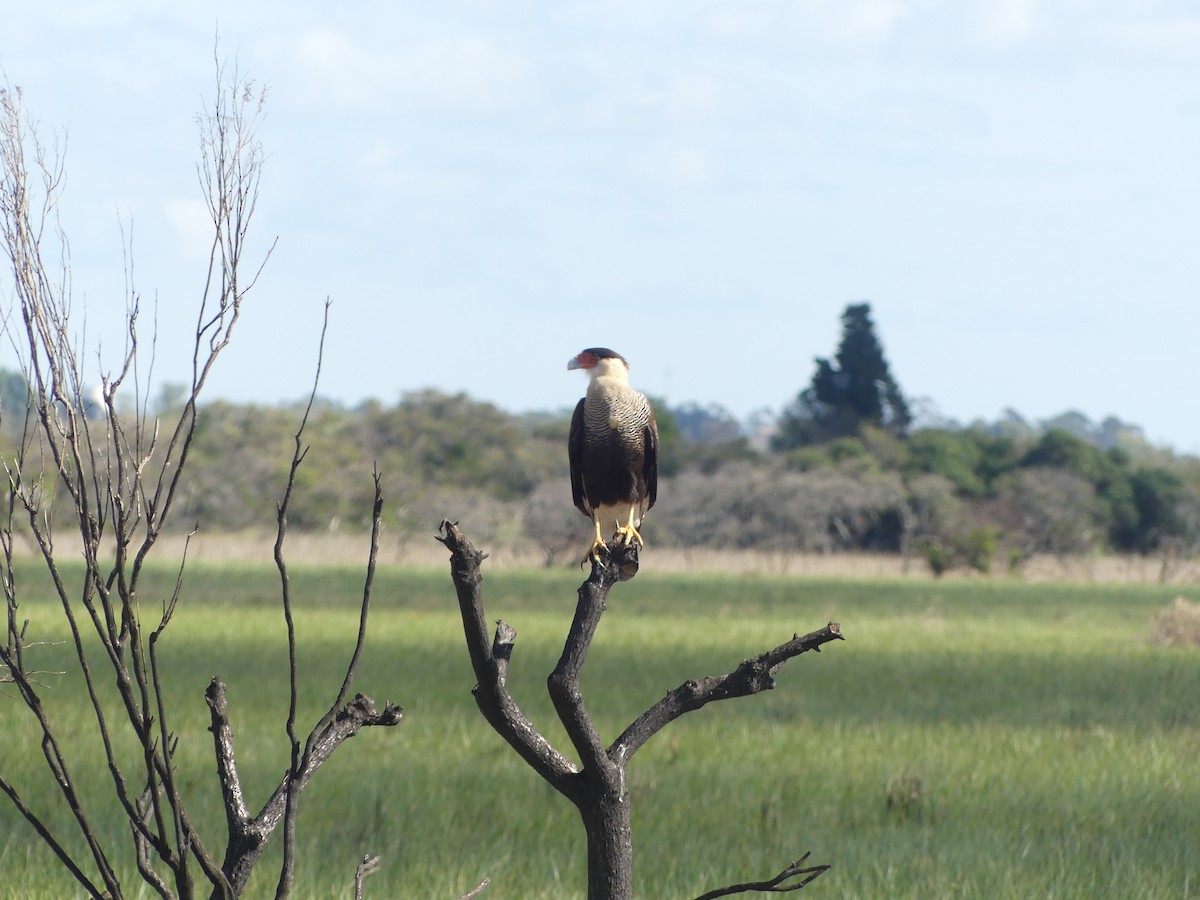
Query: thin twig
[[287, 869], [477, 890], [776, 885], [44, 833]]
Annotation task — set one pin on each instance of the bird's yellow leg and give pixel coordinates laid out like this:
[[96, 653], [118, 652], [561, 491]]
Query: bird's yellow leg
[[593, 555], [628, 531]]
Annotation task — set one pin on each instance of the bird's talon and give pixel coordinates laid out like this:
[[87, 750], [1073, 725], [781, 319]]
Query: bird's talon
[[593, 555], [627, 534]]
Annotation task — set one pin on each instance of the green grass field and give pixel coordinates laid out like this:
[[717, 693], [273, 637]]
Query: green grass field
[[973, 738]]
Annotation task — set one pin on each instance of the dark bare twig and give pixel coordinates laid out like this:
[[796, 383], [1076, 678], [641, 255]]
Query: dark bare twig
[[45, 834], [776, 885], [750, 677], [302, 760]]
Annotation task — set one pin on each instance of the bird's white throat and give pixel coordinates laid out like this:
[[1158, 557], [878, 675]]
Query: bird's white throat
[[614, 370]]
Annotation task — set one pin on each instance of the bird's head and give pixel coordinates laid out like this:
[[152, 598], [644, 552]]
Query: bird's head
[[599, 362]]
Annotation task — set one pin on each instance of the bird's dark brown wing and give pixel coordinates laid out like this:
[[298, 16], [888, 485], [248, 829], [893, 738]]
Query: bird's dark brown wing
[[650, 463], [575, 453]]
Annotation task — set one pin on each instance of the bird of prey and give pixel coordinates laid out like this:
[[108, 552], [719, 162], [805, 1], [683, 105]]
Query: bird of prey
[[613, 447]]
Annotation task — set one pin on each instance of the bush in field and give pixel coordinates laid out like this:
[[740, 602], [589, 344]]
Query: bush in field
[[1178, 625], [937, 556], [426, 445], [975, 551]]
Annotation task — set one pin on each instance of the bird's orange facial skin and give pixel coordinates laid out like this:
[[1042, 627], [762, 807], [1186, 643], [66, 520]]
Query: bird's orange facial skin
[[584, 361]]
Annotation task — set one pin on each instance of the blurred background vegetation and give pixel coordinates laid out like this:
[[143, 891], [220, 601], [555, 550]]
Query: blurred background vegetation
[[847, 466]]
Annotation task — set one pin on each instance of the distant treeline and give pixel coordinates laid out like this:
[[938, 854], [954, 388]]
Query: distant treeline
[[973, 496], [848, 465], [979, 496]]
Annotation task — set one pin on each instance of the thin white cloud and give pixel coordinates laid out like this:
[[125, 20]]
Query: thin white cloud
[[458, 71], [1155, 37], [677, 165], [1005, 23], [190, 224], [851, 24], [680, 94], [742, 21], [387, 170], [872, 20]]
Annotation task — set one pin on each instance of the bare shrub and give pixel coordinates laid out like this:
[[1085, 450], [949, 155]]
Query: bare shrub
[[552, 523], [1049, 510], [745, 505], [937, 510], [417, 515]]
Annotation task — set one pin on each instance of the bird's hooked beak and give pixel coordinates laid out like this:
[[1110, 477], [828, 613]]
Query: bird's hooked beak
[[584, 360]]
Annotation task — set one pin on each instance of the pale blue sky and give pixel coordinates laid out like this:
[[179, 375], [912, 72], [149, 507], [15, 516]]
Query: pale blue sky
[[485, 188]]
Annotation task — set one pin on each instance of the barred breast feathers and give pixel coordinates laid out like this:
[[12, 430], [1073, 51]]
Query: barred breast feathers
[[612, 405]]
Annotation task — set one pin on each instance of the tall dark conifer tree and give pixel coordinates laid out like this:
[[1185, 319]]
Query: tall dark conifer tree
[[855, 388]]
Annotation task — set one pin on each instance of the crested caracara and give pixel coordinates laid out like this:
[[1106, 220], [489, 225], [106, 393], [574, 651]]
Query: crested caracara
[[613, 447]]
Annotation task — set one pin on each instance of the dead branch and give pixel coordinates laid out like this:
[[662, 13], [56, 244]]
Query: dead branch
[[369, 865], [248, 834], [477, 890], [490, 661], [44, 833], [776, 885], [750, 677]]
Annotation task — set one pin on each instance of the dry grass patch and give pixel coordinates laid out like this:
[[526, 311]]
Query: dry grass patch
[[1178, 625], [420, 550]]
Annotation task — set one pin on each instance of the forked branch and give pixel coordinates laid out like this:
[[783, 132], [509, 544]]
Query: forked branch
[[750, 677], [599, 787], [489, 659], [248, 834], [777, 885]]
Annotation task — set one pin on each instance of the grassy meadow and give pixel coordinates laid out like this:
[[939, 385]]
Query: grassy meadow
[[975, 738]]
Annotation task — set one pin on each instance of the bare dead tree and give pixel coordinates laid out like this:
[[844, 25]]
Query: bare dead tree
[[598, 786], [112, 475]]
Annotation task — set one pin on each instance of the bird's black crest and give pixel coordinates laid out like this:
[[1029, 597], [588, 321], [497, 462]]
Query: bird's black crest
[[605, 353]]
